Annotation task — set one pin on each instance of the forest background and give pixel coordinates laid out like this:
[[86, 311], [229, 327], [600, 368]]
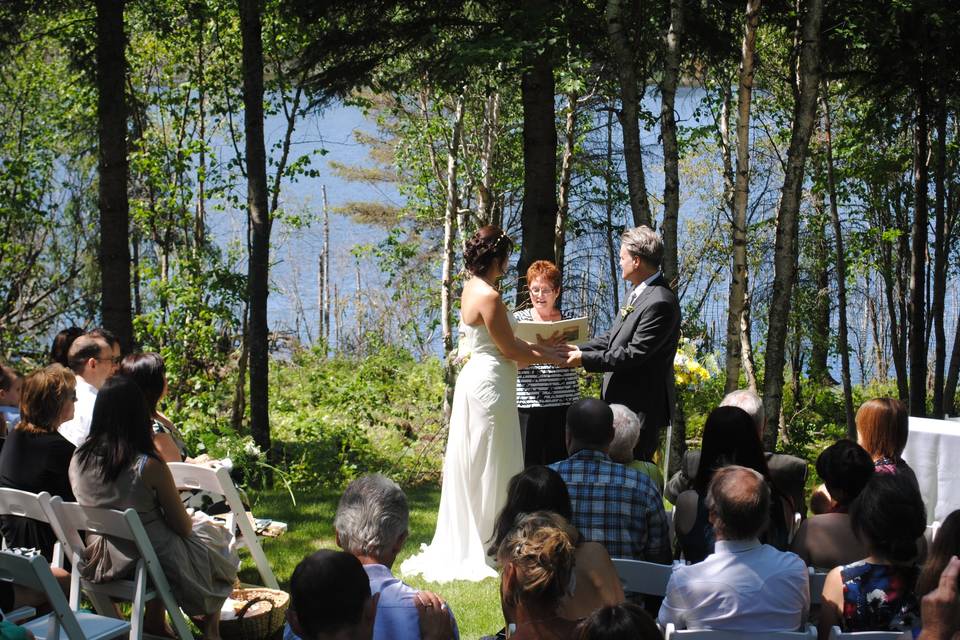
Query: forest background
[[807, 196]]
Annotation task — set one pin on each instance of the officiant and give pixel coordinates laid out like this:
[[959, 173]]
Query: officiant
[[544, 391]]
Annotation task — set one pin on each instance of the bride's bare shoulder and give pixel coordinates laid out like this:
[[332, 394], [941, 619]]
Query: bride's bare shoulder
[[476, 290]]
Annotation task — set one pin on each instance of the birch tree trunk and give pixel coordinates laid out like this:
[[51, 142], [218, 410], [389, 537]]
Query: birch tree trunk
[[488, 150], [446, 292], [566, 174], [741, 196], [668, 133], [612, 247], [251, 13], [786, 248], [841, 256], [629, 113], [746, 345]]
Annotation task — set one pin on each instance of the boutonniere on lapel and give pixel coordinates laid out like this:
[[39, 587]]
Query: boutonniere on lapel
[[627, 310]]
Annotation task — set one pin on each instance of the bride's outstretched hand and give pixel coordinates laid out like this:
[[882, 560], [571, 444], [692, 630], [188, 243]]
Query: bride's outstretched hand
[[554, 340]]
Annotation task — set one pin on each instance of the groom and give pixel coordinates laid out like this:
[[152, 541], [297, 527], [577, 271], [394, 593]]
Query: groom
[[636, 354]]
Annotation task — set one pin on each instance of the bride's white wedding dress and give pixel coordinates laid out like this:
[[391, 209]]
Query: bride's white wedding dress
[[483, 452]]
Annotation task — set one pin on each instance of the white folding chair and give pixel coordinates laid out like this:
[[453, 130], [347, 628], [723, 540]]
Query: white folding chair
[[34, 572], [219, 482], [931, 533], [19, 614], [836, 634], [24, 504], [810, 633], [638, 576], [816, 586], [149, 581]]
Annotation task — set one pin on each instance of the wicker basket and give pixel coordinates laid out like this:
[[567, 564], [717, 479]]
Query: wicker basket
[[262, 624]]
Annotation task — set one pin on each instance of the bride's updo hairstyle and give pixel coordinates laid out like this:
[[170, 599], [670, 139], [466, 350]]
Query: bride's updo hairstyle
[[541, 549], [488, 246]]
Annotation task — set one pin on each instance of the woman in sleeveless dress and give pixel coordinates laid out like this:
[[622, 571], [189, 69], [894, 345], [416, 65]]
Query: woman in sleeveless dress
[[118, 468], [483, 448]]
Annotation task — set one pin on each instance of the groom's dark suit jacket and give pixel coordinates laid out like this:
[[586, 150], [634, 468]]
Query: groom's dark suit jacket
[[636, 356]]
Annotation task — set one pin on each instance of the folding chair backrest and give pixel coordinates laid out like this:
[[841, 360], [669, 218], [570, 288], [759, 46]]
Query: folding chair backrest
[[125, 525], [816, 585], [34, 573], [648, 578], [24, 504], [835, 633], [219, 482], [809, 633]]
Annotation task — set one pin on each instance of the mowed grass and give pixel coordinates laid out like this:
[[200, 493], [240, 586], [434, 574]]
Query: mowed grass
[[475, 604]]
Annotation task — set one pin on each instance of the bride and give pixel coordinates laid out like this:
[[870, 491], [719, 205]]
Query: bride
[[483, 448]]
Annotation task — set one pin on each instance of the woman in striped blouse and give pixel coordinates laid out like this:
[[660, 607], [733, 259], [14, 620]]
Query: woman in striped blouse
[[544, 391]]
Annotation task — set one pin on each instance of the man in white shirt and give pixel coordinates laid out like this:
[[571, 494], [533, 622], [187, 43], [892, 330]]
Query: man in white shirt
[[743, 585], [94, 357]]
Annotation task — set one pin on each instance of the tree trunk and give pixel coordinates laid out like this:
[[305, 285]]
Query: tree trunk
[[629, 114], [488, 150], [566, 175], [741, 197], [113, 169], [446, 292], [612, 247], [786, 248], [668, 133], [538, 213], [940, 260], [820, 322], [918, 263], [746, 345], [258, 220], [841, 257]]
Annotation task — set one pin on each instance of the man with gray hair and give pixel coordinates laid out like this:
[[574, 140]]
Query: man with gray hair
[[743, 585], [626, 432], [372, 525], [789, 473], [636, 354]]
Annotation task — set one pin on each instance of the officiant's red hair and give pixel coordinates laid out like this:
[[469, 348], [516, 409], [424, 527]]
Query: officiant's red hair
[[546, 270]]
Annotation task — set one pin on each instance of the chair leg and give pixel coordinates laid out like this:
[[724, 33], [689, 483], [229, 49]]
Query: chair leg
[[139, 602]]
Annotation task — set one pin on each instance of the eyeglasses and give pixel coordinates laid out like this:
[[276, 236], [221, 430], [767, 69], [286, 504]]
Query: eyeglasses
[[73, 397], [117, 360], [537, 292]]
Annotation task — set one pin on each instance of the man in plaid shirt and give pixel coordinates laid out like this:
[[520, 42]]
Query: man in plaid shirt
[[614, 505]]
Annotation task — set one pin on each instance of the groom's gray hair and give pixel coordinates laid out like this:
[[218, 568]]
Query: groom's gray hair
[[372, 516], [645, 243]]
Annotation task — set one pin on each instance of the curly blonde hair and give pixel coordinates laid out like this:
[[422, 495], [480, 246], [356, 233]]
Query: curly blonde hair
[[541, 549], [43, 395]]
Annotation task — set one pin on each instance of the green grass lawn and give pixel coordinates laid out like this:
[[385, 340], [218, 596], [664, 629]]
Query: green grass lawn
[[475, 604]]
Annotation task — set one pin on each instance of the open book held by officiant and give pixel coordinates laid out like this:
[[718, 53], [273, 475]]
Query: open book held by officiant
[[574, 331]]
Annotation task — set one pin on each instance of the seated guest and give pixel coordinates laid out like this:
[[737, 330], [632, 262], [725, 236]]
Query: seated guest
[[537, 568], [93, 359], [148, 371], [614, 505], [882, 429], [729, 437], [878, 592], [60, 347], [330, 598], [372, 524], [827, 540], [35, 456], [788, 473], [117, 467], [626, 434], [944, 546], [940, 609], [744, 585], [627, 621], [596, 581], [10, 383]]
